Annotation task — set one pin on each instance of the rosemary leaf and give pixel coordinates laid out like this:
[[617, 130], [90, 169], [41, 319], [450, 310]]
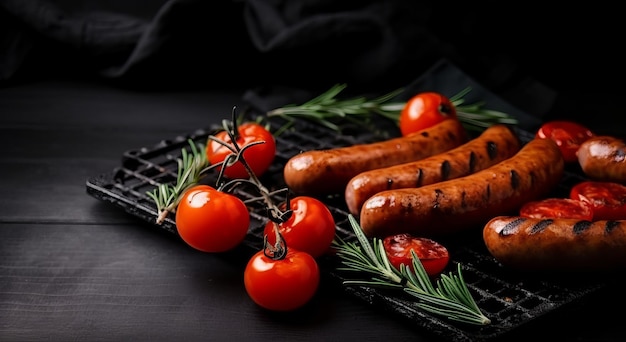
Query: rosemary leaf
[[191, 166], [374, 282], [450, 297], [330, 111]]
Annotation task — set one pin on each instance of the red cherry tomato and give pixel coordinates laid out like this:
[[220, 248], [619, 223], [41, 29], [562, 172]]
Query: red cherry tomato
[[567, 135], [259, 157], [607, 199], [311, 227], [433, 255], [425, 110], [283, 284], [557, 208], [210, 220]]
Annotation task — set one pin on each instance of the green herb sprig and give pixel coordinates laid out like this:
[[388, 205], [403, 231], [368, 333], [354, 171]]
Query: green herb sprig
[[191, 167], [450, 297], [330, 111]]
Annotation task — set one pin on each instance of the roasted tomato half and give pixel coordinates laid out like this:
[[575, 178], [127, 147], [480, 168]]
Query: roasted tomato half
[[568, 135], [433, 255], [607, 199], [558, 208]]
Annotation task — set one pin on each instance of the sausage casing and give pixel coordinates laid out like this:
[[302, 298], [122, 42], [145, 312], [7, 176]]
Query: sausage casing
[[495, 144], [603, 158], [533, 244], [470, 201], [321, 172]]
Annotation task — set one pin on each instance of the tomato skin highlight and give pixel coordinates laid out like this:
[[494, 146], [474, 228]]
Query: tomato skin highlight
[[210, 220], [311, 227], [568, 135], [425, 110], [259, 157], [557, 208], [607, 199], [433, 255], [282, 285]]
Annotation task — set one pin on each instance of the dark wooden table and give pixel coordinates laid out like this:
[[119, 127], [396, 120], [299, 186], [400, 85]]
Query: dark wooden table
[[76, 268]]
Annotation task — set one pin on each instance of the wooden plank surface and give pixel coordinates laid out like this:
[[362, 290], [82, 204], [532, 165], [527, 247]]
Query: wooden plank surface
[[75, 268]]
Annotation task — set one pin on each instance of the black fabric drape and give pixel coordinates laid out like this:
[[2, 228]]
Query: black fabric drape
[[547, 61], [182, 43], [312, 43]]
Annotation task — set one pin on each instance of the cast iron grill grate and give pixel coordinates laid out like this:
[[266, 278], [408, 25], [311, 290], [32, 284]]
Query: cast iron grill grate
[[509, 299]]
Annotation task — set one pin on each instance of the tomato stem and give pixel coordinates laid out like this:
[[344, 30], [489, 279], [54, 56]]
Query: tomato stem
[[233, 130], [275, 214], [278, 250], [192, 165]]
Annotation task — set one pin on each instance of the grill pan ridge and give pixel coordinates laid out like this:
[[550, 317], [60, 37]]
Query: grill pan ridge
[[508, 298]]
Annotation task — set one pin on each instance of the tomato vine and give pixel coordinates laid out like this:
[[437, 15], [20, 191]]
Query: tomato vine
[[281, 278], [213, 219]]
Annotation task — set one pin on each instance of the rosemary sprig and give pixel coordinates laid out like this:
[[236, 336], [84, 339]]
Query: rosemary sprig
[[450, 297], [191, 166], [330, 111]]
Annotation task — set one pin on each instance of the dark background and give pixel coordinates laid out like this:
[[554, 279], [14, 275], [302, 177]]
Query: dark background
[[562, 61], [81, 82]]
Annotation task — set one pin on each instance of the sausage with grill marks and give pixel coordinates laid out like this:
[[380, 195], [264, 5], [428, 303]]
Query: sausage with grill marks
[[532, 244], [324, 172], [467, 202], [495, 144]]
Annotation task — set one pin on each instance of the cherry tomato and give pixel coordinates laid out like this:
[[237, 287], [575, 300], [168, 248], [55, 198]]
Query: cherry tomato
[[558, 208], [425, 110], [433, 255], [607, 199], [259, 157], [567, 135], [311, 227], [283, 284], [211, 220]]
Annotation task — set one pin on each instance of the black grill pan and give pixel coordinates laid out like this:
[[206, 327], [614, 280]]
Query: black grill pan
[[509, 299]]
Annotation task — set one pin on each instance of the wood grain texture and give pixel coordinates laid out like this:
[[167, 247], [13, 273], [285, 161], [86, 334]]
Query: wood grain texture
[[75, 268]]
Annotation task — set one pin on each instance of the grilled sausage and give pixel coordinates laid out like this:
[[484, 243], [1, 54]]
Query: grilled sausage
[[494, 145], [533, 244], [603, 158], [470, 201], [322, 172]]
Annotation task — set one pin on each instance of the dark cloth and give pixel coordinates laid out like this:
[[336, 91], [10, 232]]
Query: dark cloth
[[216, 43], [177, 44], [549, 62]]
